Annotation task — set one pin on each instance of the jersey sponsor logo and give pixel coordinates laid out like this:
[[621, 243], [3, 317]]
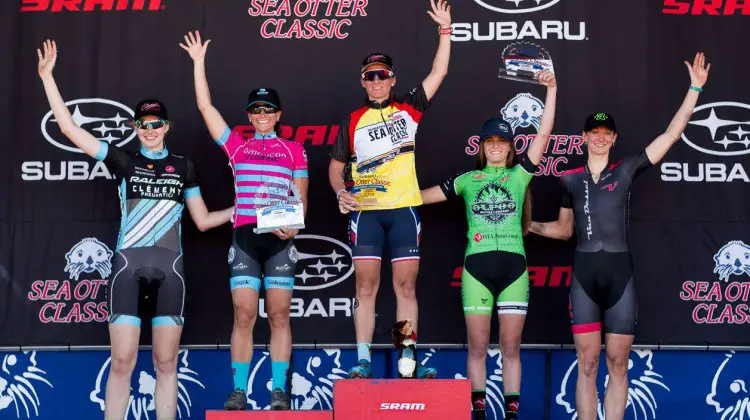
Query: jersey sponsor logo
[[76, 299], [322, 262], [169, 169], [724, 299], [611, 187], [516, 6], [311, 386], [645, 384], [704, 7], [494, 203], [728, 395], [89, 5], [105, 119], [21, 380], [143, 388], [524, 112], [317, 19]]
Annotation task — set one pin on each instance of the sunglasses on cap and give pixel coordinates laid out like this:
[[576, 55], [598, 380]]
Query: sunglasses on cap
[[382, 75], [153, 124], [256, 110]]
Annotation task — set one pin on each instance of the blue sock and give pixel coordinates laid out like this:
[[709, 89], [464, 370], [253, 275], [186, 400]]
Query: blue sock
[[363, 351], [240, 372], [279, 373]]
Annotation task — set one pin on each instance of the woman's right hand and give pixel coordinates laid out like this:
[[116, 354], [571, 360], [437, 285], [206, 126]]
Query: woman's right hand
[[47, 58], [194, 46]]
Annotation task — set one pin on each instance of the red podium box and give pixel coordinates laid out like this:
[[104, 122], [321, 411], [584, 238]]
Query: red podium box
[[385, 399], [269, 415]]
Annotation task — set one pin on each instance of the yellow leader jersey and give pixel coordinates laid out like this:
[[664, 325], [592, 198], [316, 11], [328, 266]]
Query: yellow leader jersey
[[377, 143]]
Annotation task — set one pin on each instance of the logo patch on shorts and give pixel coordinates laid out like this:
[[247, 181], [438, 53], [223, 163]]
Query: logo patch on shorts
[[231, 254], [293, 254]]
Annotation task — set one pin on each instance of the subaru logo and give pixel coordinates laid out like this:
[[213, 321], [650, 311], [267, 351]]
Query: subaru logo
[[103, 118], [516, 6], [720, 129]]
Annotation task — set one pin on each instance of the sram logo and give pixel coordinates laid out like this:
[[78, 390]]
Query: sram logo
[[402, 406], [706, 7], [89, 5]]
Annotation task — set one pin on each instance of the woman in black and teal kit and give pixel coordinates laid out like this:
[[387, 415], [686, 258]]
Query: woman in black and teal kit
[[154, 187], [498, 212]]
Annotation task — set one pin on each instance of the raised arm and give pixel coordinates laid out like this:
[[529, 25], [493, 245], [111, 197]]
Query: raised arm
[[441, 14], [539, 145], [698, 76], [80, 137], [562, 228], [203, 218], [433, 195], [197, 50]]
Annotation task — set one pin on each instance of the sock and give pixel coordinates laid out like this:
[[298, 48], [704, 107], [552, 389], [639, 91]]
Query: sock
[[279, 372], [512, 400], [363, 351], [478, 399], [240, 372]]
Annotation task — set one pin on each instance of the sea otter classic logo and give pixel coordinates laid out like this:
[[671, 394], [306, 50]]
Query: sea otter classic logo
[[732, 259], [19, 379], [524, 110], [644, 382], [88, 256], [143, 387], [494, 203], [312, 388], [729, 396]]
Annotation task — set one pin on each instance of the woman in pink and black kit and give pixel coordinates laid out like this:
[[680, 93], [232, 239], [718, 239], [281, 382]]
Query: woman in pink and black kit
[[265, 167]]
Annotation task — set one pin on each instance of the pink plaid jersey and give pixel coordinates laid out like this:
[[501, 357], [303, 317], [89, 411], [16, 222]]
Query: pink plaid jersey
[[263, 167]]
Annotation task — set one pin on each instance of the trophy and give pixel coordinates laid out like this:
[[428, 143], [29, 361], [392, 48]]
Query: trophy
[[405, 340], [523, 60], [282, 208]]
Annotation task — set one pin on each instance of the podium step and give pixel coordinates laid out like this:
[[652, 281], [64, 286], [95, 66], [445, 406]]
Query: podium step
[[385, 399], [269, 415]]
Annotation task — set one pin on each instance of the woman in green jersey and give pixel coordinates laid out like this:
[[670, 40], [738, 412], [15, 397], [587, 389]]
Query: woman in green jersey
[[498, 214]]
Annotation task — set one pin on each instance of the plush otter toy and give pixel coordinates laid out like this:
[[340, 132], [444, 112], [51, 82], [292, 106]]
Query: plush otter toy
[[405, 339]]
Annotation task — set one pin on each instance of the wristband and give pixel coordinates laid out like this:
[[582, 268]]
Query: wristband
[[341, 191], [446, 31], [697, 89]]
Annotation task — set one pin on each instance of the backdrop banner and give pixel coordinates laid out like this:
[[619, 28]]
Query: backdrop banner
[[60, 212]]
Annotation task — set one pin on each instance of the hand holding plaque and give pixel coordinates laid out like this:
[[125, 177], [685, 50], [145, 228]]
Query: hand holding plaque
[[523, 61], [280, 211]]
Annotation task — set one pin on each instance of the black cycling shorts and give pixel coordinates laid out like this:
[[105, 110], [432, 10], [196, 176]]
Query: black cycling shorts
[[147, 273], [603, 288], [265, 255]]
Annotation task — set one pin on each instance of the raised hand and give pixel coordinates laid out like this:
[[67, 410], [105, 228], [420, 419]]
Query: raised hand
[[47, 58], [699, 70], [441, 13], [194, 46], [547, 78]]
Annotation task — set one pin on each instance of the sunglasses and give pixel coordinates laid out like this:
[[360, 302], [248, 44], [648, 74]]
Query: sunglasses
[[153, 124], [257, 110], [382, 75]]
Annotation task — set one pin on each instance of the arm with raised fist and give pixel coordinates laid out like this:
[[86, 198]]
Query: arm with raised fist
[[80, 137], [698, 76], [441, 14], [197, 50]]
